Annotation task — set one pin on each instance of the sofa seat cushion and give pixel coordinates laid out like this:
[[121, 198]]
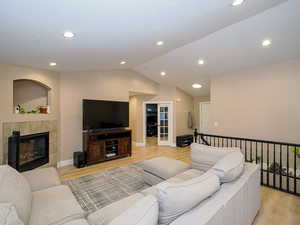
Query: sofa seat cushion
[[143, 212], [77, 222], [164, 168], [205, 157], [15, 189], [176, 199], [43, 178], [189, 174], [56, 205], [151, 179], [230, 167], [105, 215]]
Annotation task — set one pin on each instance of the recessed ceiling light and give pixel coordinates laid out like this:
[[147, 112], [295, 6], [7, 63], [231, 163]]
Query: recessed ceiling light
[[237, 2], [197, 86], [201, 62], [163, 73], [69, 34], [123, 62], [159, 43], [52, 64], [266, 43]]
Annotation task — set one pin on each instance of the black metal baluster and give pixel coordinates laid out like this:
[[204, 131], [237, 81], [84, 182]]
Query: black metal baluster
[[222, 142], [295, 171], [268, 166], [274, 172], [214, 141], [288, 168], [256, 152], [251, 155], [280, 185], [261, 162], [246, 152], [218, 142]]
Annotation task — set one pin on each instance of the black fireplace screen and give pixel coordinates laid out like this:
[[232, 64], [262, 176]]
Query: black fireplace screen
[[29, 151], [33, 147]]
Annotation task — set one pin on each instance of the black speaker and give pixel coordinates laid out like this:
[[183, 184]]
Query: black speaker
[[79, 159]]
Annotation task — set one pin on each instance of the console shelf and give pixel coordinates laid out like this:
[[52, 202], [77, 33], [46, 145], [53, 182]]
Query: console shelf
[[101, 146]]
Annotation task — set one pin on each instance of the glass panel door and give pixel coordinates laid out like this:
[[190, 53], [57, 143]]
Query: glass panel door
[[163, 124]]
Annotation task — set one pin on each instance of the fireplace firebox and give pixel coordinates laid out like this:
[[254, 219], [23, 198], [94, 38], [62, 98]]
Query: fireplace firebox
[[29, 151]]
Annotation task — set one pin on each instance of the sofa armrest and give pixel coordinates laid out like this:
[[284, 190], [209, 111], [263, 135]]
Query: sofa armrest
[[43, 178]]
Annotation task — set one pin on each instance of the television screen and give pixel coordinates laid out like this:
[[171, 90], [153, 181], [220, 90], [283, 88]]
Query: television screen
[[98, 114]]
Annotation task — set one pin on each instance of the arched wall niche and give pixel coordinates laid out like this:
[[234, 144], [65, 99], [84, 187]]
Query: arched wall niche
[[30, 95]]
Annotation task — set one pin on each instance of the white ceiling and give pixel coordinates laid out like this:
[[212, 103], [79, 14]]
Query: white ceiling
[[231, 49], [110, 31]]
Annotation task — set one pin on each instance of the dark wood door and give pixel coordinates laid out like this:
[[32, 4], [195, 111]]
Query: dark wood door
[[96, 152], [124, 146]]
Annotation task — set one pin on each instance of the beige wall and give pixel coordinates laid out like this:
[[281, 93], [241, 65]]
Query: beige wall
[[30, 94], [133, 116], [197, 115], [8, 73], [75, 86], [258, 103], [184, 105]]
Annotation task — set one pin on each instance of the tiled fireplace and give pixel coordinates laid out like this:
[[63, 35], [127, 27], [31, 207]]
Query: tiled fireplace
[[38, 143]]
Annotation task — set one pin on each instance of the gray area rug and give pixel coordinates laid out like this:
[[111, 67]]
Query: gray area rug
[[95, 191]]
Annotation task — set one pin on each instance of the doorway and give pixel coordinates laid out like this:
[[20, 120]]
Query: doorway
[[204, 114], [158, 123]]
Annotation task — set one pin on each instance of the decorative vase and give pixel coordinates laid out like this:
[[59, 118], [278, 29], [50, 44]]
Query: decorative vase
[[43, 110]]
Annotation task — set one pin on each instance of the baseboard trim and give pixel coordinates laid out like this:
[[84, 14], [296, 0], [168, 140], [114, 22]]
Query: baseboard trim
[[173, 145], [139, 144], [65, 163]]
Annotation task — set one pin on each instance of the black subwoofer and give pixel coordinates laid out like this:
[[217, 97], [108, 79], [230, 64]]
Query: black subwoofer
[[79, 159]]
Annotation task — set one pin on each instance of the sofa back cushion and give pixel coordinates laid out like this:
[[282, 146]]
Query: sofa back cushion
[[143, 212], [230, 167], [205, 157], [177, 198], [15, 189]]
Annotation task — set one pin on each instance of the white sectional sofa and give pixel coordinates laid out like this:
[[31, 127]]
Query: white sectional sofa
[[38, 198], [183, 194], [235, 202]]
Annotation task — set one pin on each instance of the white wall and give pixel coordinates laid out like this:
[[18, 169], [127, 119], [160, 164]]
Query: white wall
[[258, 103], [184, 105]]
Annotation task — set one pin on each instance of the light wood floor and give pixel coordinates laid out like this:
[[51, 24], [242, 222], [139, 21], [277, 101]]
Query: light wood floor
[[278, 208]]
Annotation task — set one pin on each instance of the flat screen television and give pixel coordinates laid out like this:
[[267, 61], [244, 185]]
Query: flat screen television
[[99, 114]]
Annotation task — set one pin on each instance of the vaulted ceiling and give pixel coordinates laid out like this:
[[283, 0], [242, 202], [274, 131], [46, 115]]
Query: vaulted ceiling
[[110, 31]]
